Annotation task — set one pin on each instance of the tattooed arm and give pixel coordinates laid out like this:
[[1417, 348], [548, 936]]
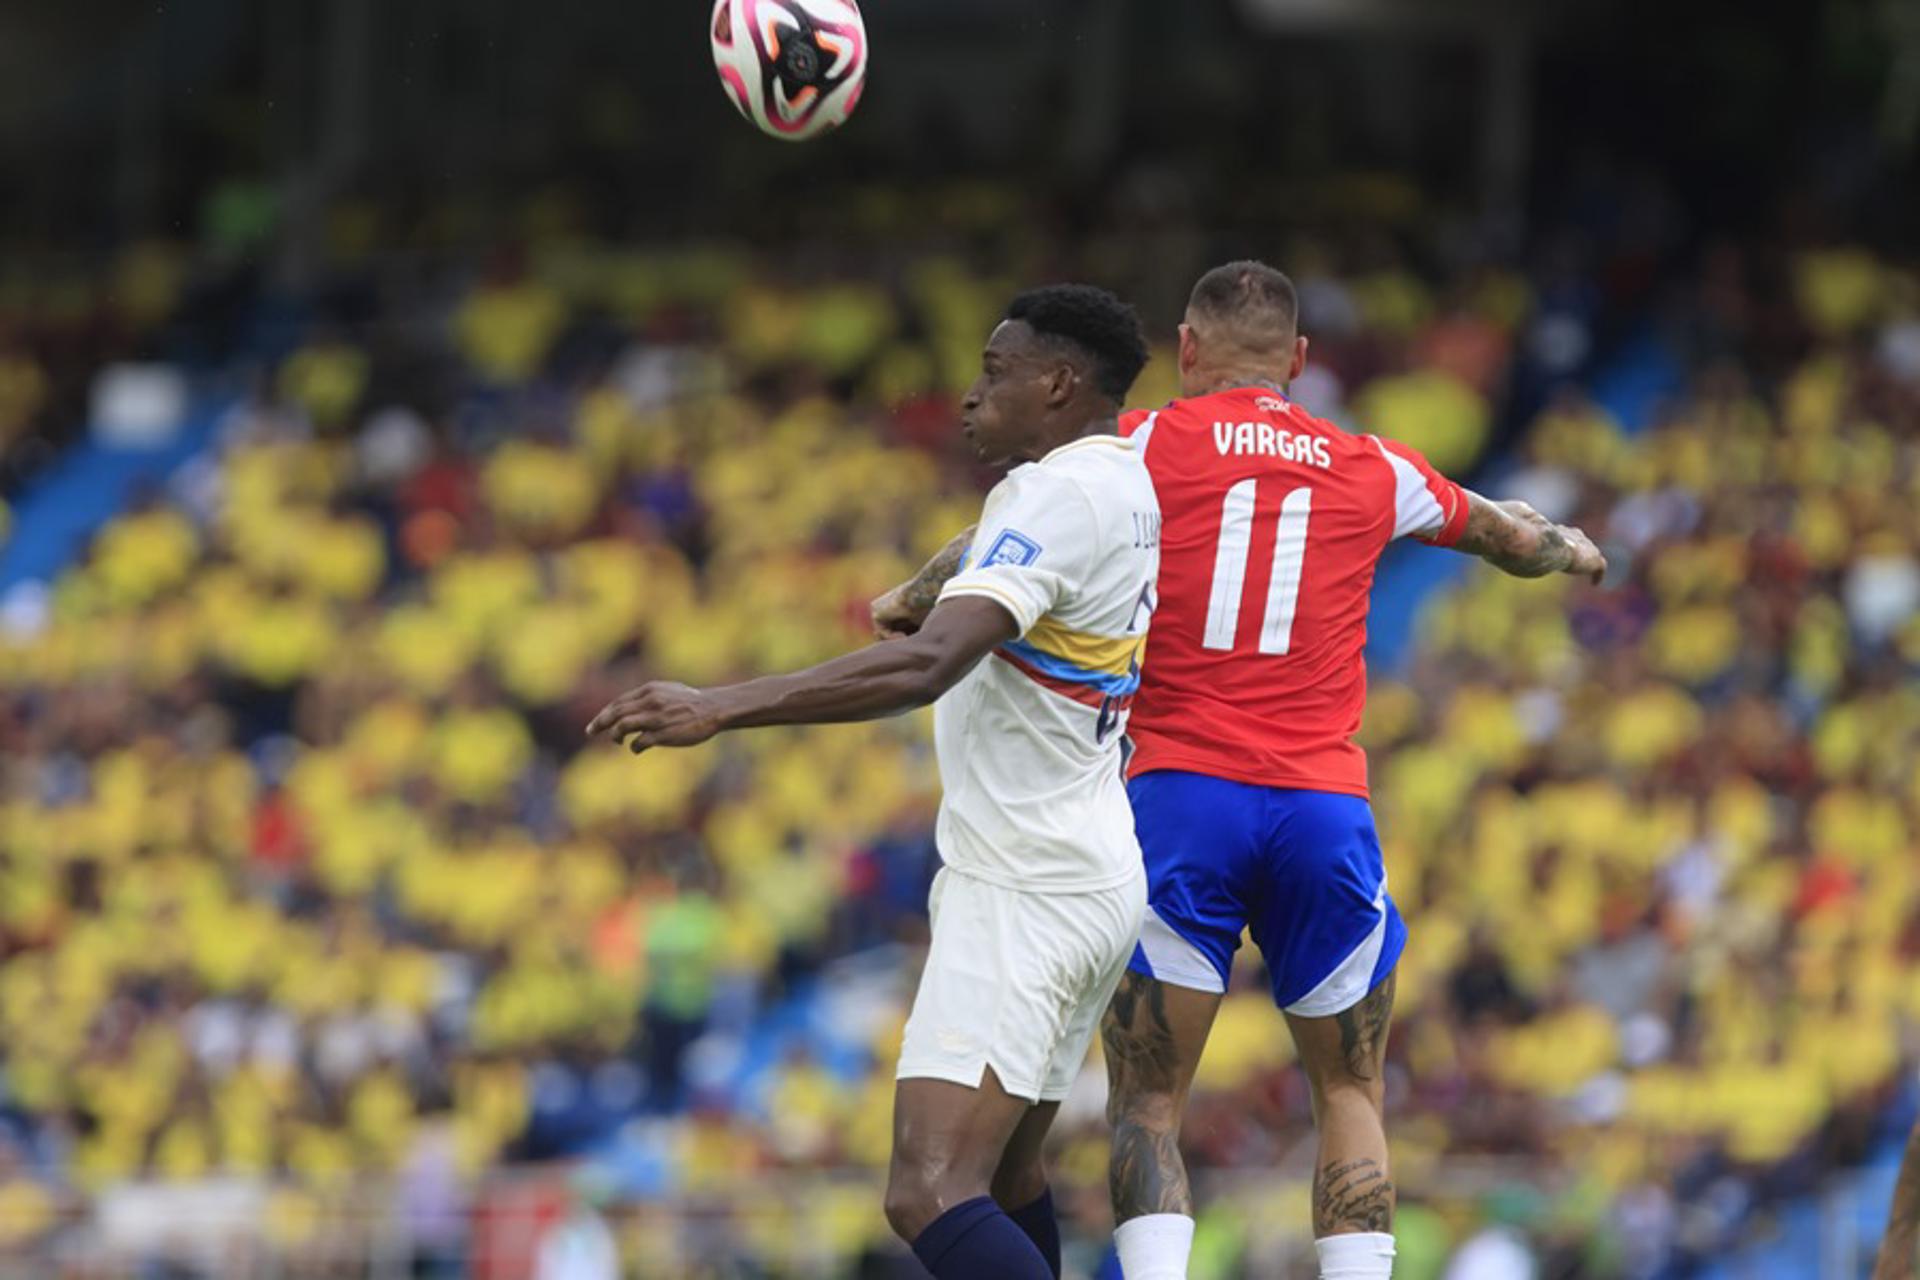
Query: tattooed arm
[[901, 611], [1516, 539], [1901, 1245]]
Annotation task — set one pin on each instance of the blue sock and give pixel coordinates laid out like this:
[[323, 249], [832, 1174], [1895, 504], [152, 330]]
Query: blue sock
[[1042, 1228], [975, 1240]]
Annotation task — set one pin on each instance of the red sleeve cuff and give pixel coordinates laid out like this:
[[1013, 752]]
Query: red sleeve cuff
[[1453, 500]]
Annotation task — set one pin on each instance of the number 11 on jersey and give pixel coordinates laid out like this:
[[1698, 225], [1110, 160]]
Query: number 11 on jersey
[[1230, 569]]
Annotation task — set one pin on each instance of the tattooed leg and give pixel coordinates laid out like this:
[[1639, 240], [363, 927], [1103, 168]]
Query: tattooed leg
[[1353, 1195], [1345, 1060], [1153, 1034], [1363, 1032]]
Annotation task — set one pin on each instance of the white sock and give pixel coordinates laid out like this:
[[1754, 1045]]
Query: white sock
[[1155, 1247], [1362, 1257]]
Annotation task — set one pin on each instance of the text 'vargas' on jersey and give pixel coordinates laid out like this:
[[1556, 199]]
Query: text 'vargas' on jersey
[[1274, 522], [1029, 742]]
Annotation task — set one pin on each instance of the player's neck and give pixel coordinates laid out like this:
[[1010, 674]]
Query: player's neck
[[1049, 441], [1207, 383]]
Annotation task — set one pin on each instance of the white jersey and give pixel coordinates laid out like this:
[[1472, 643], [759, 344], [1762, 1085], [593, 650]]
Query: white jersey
[[1029, 742]]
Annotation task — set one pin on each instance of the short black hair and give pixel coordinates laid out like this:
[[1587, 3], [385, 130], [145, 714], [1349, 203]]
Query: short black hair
[[1250, 295], [1104, 329]]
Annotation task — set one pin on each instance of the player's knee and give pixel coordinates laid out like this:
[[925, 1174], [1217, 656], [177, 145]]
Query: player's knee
[[920, 1187], [1344, 1056], [1334, 1069], [911, 1202], [1340, 1090], [1157, 1110], [1017, 1185]]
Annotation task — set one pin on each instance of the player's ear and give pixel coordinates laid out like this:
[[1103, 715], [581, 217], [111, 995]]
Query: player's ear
[[1299, 358], [1189, 349], [1062, 383]]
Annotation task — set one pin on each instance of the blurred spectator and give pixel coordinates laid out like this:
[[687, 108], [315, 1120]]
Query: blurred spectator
[[309, 879]]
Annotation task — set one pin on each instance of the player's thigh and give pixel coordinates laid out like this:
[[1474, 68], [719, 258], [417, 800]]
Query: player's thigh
[[1202, 840], [1325, 923], [1088, 939], [1005, 976], [952, 1135], [1153, 1035], [1348, 1049], [1096, 935]]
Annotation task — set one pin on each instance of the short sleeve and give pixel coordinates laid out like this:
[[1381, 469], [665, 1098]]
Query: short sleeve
[[1034, 549], [1426, 505], [1137, 426]]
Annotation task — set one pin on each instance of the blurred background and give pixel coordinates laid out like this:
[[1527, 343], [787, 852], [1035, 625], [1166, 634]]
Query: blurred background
[[383, 386]]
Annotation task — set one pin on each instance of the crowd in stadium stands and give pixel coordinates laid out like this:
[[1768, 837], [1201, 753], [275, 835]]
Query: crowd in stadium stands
[[307, 871]]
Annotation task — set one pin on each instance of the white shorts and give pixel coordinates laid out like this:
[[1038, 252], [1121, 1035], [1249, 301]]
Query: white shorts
[[1017, 981]]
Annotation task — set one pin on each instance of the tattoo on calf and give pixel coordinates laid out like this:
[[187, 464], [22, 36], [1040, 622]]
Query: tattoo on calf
[[1350, 1196], [1146, 1174]]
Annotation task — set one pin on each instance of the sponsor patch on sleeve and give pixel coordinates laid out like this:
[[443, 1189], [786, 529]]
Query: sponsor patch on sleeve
[[1015, 549]]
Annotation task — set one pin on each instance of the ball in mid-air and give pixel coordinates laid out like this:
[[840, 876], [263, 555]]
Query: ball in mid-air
[[795, 68]]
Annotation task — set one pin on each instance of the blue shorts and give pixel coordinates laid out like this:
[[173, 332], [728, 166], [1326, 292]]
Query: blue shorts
[[1301, 869]]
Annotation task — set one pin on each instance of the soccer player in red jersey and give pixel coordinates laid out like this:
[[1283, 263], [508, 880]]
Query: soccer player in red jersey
[[1249, 793]]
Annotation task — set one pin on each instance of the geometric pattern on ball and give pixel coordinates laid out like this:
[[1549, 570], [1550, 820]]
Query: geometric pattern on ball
[[795, 68]]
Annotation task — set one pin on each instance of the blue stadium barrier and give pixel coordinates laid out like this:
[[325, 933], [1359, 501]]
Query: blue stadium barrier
[[1409, 576], [1642, 376], [58, 516]]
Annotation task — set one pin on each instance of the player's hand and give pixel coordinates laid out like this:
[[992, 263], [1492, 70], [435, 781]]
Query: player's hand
[[1586, 561], [1583, 557], [660, 714], [895, 617]]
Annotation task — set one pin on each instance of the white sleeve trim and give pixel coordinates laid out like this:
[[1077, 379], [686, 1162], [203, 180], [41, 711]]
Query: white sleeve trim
[[1415, 510], [1145, 434], [1022, 610]]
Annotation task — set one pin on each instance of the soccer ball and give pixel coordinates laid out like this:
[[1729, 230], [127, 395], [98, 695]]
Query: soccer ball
[[795, 68]]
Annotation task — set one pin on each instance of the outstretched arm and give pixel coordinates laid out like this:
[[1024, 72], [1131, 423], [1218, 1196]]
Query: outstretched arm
[[1516, 539], [1899, 1248], [902, 610], [883, 680]]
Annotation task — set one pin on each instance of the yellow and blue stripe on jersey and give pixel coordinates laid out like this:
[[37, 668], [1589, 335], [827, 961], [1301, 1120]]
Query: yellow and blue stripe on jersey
[[1094, 670]]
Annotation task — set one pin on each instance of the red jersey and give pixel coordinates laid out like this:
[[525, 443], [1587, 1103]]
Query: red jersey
[[1273, 522]]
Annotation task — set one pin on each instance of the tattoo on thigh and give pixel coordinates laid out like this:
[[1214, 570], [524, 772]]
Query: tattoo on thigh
[[1352, 1195], [1363, 1031], [1141, 1055]]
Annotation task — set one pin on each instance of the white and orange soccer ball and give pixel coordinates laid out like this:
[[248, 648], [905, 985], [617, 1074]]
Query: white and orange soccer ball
[[796, 68]]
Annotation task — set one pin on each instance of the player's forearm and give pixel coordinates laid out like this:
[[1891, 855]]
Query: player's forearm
[[881, 681], [921, 592], [1902, 1242], [1515, 539]]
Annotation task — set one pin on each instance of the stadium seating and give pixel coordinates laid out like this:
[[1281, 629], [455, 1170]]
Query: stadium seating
[[308, 870]]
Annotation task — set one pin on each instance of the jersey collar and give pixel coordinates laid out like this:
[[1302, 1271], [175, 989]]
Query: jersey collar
[[1083, 442]]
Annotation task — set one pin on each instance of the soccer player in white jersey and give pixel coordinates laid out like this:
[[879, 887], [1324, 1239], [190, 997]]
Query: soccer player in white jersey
[[1249, 793], [1033, 653]]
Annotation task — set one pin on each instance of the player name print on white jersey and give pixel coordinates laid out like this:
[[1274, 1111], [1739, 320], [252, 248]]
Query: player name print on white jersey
[[1264, 440]]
